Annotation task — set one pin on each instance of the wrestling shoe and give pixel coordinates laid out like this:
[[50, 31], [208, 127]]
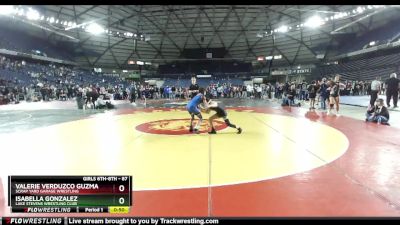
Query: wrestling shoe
[[212, 132], [239, 130]]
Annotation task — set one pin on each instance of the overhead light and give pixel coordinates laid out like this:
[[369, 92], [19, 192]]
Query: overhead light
[[7, 9], [21, 12], [314, 21], [65, 23], [359, 9], [278, 57], [372, 43], [260, 58], [57, 21], [51, 20], [124, 71], [298, 67], [32, 14], [70, 24], [369, 7], [147, 63], [42, 18], [282, 29], [326, 18], [140, 63], [94, 28], [269, 57]]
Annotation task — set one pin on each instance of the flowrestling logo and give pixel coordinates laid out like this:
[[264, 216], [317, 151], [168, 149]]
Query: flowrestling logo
[[176, 126]]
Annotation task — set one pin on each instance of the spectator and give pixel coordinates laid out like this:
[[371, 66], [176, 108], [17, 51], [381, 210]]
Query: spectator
[[323, 93], [375, 88], [378, 113], [392, 90], [312, 90], [102, 104], [288, 100]]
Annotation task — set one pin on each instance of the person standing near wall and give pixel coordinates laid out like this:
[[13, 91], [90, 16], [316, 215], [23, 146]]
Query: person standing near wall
[[194, 88], [375, 89], [392, 89]]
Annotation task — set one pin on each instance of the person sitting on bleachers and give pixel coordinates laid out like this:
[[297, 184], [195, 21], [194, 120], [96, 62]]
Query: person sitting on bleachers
[[62, 96], [378, 113]]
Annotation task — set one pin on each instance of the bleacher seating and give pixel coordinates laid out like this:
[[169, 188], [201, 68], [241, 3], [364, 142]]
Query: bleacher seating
[[381, 35], [363, 69], [203, 82], [26, 75], [19, 41]]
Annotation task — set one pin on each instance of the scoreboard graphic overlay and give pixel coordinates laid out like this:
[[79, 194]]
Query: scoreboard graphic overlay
[[70, 194]]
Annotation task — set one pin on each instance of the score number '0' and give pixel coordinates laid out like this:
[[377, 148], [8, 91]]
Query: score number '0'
[[121, 200]]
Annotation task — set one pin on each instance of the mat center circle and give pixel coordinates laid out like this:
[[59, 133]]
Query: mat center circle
[[176, 126]]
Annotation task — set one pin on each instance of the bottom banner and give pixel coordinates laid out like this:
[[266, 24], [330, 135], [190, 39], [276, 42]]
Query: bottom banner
[[105, 221], [180, 220]]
